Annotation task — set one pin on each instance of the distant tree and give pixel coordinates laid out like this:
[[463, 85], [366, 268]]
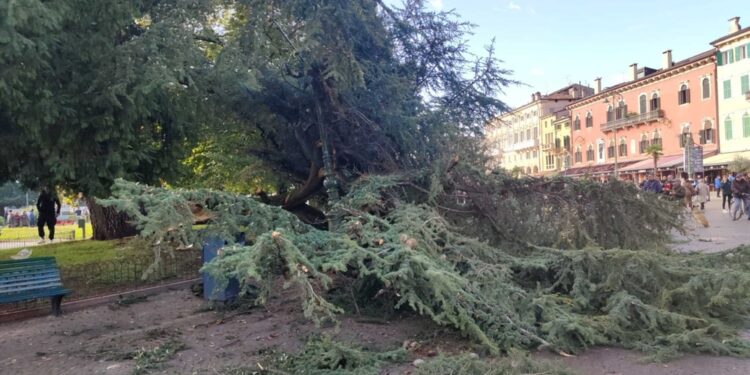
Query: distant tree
[[12, 194], [740, 164], [95, 90]]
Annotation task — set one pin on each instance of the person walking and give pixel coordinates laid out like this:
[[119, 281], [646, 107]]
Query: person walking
[[717, 185], [703, 193], [726, 193], [651, 184], [47, 213], [740, 195]]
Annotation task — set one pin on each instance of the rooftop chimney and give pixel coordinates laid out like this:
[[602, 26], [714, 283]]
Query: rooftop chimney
[[666, 59], [633, 71], [597, 85], [734, 25]]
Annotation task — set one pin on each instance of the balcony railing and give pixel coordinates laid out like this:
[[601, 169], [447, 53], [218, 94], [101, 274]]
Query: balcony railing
[[633, 120], [529, 143], [547, 146]]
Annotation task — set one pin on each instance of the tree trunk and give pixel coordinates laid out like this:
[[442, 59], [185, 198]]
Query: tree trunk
[[108, 223]]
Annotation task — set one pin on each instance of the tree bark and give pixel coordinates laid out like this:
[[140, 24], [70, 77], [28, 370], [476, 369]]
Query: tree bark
[[109, 224]]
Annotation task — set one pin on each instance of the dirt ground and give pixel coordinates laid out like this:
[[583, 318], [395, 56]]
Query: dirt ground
[[100, 341]]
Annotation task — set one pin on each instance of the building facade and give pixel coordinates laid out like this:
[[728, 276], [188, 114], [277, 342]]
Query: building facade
[[671, 106], [733, 81], [555, 143], [514, 138]]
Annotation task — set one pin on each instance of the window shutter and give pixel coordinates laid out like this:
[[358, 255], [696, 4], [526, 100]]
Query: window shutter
[[718, 58], [687, 96], [730, 53], [737, 53], [727, 89], [728, 129], [702, 136], [746, 126], [745, 83]]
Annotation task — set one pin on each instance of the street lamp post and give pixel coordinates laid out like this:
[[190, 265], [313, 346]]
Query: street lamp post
[[616, 171]]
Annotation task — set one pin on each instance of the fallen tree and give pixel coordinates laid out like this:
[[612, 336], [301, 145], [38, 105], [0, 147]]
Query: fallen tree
[[512, 263]]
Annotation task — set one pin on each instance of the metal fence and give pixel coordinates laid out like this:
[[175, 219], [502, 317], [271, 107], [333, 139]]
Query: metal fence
[[27, 241], [119, 275]]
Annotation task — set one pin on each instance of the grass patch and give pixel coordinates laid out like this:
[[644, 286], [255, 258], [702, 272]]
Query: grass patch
[[76, 253], [17, 233]]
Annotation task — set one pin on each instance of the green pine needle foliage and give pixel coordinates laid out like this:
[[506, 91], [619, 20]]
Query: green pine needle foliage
[[518, 264]]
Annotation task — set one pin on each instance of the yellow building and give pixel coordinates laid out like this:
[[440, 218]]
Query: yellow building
[[514, 139], [555, 144]]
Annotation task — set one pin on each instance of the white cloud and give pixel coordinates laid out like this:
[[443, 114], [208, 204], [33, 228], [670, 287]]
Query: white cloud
[[437, 4], [513, 6]]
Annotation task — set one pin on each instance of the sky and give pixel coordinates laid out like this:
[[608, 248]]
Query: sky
[[549, 44]]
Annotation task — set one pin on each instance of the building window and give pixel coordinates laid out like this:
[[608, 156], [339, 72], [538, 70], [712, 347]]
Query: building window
[[685, 136], [623, 148], [725, 57], [746, 125], [707, 134], [728, 128], [611, 149], [536, 133], [655, 102], [621, 110], [528, 134], [589, 120], [744, 85], [566, 142], [643, 144], [577, 123], [600, 147], [683, 97], [642, 101], [590, 154], [557, 143], [727, 89], [578, 155], [656, 140], [610, 114], [740, 53], [706, 88]]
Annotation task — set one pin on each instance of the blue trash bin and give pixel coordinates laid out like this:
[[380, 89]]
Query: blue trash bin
[[211, 290]]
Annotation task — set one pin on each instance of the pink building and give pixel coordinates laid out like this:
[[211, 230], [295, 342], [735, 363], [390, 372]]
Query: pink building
[[611, 129]]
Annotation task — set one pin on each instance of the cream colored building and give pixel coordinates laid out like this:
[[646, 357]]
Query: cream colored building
[[514, 139], [733, 88], [555, 143]]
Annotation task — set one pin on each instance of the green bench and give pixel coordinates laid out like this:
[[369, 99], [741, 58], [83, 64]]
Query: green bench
[[33, 278]]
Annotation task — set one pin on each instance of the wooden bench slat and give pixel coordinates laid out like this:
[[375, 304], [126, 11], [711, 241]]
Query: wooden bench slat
[[32, 288], [9, 267], [27, 273], [29, 261], [38, 283]]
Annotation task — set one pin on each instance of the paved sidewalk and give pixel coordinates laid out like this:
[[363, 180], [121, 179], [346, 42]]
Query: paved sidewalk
[[722, 233]]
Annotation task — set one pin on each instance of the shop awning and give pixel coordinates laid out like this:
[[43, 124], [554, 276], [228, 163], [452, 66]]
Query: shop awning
[[596, 169], [725, 158]]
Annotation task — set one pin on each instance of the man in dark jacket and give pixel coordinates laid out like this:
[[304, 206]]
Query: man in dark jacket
[[46, 205], [741, 195]]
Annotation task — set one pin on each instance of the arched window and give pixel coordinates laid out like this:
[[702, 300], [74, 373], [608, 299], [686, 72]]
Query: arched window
[[746, 125], [611, 149], [644, 144], [685, 136], [621, 110], [728, 128], [655, 102], [590, 153], [623, 148], [589, 120], [642, 104], [528, 170], [536, 169], [577, 123], [578, 157], [705, 88], [707, 133], [610, 114], [656, 139], [683, 97]]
